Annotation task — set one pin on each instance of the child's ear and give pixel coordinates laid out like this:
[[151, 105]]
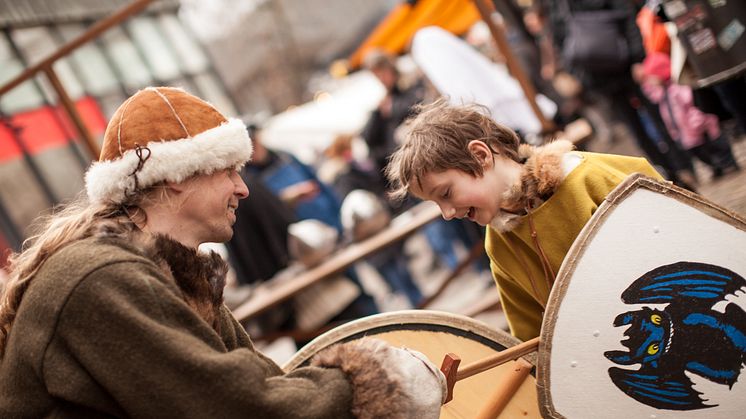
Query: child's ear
[[481, 152]]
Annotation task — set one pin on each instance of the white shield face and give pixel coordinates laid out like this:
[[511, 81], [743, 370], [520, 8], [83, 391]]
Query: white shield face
[[647, 318]]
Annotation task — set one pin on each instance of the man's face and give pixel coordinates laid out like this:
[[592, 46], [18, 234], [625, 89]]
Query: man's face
[[461, 195], [209, 208]]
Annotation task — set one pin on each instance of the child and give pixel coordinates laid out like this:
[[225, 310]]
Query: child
[[474, 168], [695, 130]]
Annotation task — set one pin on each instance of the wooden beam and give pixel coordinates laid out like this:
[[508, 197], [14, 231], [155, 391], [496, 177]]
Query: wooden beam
[[486, 9], [268, 296], [92, 33], [72, 112]]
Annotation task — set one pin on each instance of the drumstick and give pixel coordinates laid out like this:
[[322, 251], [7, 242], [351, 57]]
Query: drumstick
[[451, 362]]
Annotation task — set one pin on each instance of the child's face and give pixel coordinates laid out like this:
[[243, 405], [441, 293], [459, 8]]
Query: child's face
[[461, 195]]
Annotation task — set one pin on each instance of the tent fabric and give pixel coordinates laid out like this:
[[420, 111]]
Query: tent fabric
[[464, 75], [396, 30]]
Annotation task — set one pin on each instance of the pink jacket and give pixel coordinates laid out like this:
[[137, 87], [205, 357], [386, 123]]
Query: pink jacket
[[685, 122]]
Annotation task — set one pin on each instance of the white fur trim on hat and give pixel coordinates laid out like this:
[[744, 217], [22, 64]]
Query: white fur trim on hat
[[224, 146]]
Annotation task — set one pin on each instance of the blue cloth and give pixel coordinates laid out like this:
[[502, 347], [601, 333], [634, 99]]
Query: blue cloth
[[283, 170]]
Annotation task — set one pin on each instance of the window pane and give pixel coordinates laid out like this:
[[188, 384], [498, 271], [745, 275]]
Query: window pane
[[125, 57], [211, 90], [191, 57], [37, 44], [90, 63], [158, 54], [23, 97]]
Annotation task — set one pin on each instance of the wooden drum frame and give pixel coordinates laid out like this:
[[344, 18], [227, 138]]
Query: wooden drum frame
[[435, 334]]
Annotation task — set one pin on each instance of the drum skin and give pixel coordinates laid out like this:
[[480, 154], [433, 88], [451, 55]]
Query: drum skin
[[435, 334]]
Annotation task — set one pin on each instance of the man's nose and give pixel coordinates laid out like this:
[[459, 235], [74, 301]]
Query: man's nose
[[241, 189]]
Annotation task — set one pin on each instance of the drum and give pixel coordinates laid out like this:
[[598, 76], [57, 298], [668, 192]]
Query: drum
[[647, 316], [435, 334]]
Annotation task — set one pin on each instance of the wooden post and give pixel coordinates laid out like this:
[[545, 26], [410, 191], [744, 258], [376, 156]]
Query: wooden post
[[72, 112], [486, 9], [92, 33]]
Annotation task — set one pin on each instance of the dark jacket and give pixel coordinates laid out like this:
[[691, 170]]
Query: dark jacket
[[123, 325], [558, 23], [379, 131], [259, 247]]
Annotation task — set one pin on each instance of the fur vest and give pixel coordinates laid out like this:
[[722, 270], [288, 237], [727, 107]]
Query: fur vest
[[541, 175]]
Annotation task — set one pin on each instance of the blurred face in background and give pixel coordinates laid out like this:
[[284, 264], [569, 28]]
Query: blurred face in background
[[386, 75]]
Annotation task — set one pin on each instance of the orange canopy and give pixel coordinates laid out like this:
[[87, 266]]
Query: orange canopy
[[399, 26]]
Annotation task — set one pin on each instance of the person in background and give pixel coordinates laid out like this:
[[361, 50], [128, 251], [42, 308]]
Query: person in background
[[346, 174], [616, 85], [259, 247], [695, 130], [298, 186], [111, 311], [378, 133]]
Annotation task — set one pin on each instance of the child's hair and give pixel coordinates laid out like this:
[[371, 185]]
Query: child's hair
[[437, 140]]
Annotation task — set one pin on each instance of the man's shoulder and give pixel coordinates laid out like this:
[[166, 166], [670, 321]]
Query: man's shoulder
[[80, 258]]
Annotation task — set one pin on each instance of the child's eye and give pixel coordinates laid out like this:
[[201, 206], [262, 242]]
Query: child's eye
[[446, 194]]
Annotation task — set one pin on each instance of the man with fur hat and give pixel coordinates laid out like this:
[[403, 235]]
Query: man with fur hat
[[112, 312]]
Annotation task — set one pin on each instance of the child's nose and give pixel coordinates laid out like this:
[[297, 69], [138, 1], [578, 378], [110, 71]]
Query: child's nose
[[448, 213]]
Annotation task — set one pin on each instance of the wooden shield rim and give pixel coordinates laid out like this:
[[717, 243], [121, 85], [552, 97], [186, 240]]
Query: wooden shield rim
[[406, 319], [622, 191]]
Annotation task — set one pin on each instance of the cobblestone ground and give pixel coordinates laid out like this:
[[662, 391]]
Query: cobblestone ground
[[730, 190]]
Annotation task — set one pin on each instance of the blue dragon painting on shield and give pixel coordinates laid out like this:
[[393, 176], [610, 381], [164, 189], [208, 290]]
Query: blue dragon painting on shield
[[686, 335]]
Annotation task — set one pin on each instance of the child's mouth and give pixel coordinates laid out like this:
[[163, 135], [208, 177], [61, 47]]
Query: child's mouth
[[470, 214]]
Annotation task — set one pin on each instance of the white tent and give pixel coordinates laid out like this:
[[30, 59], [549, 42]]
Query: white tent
[[464, 75], [308, 129]]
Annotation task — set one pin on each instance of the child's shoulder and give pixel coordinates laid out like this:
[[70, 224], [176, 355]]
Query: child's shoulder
[[616, 164]]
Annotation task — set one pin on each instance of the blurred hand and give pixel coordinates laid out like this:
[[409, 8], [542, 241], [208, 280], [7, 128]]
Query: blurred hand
[[548, 71], [638, 74], [300, 192], [385, 106]]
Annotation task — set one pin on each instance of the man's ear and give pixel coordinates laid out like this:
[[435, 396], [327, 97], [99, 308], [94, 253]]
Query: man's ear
[[481, 152]]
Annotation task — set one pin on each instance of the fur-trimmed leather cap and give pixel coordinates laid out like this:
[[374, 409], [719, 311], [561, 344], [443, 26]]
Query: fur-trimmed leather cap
[[164, 134]]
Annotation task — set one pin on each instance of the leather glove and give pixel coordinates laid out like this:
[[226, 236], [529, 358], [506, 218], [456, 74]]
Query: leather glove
[[387, 381]]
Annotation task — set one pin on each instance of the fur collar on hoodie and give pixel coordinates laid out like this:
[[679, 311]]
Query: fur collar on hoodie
[[199, 276], [541, 175]]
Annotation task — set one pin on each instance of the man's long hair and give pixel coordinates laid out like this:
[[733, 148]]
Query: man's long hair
[[75, 221]]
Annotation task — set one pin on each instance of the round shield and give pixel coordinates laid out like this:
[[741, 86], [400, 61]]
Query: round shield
[[435, 334], [646, 319]]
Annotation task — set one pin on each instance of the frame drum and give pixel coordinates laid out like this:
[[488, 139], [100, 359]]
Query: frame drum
[[435, 334]]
